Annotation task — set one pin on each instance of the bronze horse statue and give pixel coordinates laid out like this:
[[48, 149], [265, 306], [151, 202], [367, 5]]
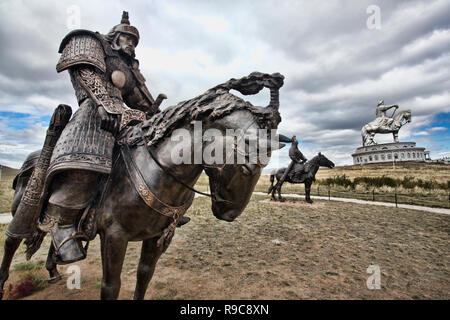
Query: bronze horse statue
[[146, 193], [300, 173], [384, 125]]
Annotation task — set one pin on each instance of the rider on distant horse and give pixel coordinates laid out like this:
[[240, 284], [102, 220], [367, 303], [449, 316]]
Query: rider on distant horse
[[295, 154], [382, 118]]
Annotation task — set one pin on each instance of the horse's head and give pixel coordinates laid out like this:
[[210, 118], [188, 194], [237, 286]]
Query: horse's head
[[232, 183], [324, 161], [403, 117], [222, 134]]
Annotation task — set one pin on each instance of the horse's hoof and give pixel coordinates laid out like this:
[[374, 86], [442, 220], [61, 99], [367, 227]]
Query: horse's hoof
[[54, 279], [282, 199], [309, 201]]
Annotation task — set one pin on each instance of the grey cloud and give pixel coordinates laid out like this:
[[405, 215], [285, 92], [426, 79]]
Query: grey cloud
[[334, 65]]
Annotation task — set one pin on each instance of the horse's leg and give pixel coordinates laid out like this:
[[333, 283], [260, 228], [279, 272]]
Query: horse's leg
[[113, 247], [280, 198], [51, 265], [150, 254], [364, 135], [272, 176], [11, 245], [274, 189], [308, 191], [395, 135]]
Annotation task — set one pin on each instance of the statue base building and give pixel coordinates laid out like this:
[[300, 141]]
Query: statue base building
[[389, 152]]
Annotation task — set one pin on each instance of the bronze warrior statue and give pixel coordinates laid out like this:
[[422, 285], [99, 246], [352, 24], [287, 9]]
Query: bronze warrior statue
[[296, 158], [299, 170], [105, 75], [108, 170]]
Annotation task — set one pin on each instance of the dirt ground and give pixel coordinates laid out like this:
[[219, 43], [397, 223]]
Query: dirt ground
[[291, 250]]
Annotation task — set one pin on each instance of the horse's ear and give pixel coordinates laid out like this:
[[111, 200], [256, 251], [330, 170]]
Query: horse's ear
[[320, 153]]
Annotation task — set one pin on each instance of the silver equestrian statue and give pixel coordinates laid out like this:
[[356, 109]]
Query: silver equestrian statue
[[384, 123]]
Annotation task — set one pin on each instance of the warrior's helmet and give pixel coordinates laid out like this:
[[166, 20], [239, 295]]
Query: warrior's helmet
[[123, 27], [380, 103]]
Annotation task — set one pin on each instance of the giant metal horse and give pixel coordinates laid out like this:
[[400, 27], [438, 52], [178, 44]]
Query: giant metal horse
[[299, 174], [146, 194], [384, 124]]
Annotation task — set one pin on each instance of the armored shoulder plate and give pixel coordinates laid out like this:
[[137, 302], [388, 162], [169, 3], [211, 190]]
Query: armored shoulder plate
[[81, 47]]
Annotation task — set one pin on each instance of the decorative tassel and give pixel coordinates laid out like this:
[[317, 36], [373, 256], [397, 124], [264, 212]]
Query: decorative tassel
[[125, 19], [167, 234]]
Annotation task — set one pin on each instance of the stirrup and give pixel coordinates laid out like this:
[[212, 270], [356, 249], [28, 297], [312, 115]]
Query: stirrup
[[76, 235], [82, 253]]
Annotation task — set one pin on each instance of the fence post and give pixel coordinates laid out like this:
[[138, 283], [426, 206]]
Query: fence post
[[396, 205], [318, 192], [373, 194], [329, 196]]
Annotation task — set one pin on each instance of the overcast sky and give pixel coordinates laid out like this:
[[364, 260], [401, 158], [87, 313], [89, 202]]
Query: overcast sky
[[338, 62]]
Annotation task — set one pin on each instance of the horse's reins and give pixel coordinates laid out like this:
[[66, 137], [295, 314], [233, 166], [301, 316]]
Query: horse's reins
[[165, 170]]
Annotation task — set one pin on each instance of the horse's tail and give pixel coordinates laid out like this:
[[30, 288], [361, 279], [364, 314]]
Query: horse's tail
[[272, 177], [364, 135]]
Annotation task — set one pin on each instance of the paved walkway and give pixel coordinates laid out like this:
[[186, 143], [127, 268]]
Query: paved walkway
[[6, 218], [374, 203]]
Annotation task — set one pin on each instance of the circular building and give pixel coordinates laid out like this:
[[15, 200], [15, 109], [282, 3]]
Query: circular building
[[389, 152]]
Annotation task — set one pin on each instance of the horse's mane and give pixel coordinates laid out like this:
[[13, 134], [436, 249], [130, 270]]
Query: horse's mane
[[211, 105], [310, 163], [400, 114]]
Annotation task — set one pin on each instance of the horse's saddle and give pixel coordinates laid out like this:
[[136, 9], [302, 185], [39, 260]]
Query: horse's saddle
[[297, 172]]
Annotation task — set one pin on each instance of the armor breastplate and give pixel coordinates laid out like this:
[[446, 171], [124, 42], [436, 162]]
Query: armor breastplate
[[119, 74]]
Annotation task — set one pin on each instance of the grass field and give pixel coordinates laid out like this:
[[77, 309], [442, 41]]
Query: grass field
[[420, 170], [433, 173], [290, 250], [6, 195], [280, 251], [425, 171]]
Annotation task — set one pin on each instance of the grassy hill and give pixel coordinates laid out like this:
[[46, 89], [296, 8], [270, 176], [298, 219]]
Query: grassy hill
[[8, 173], [418, 170], [6, 190]]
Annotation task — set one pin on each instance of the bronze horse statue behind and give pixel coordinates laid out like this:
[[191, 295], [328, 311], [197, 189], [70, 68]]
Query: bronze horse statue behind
[[300, 174], [146, 193], [369, 130]]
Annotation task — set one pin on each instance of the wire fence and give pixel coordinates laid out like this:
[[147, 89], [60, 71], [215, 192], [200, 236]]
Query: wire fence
[[439, 201]]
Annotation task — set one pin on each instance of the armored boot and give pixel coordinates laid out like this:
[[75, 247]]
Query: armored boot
[[61, 223], [183, 221]]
